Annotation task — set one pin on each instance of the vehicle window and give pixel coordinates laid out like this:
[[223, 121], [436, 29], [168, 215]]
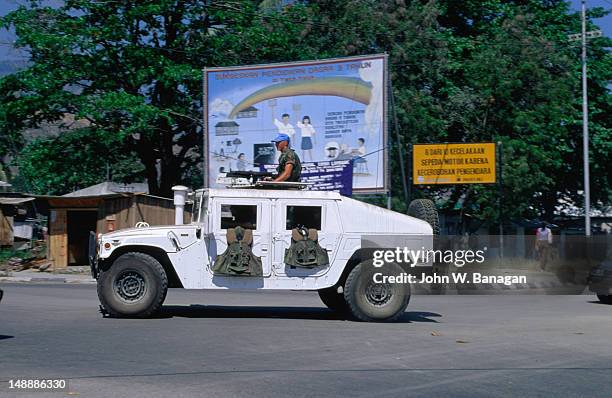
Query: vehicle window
[[244, 216], [307, 216]]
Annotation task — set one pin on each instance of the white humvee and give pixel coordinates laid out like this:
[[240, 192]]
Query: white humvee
[[135, 267]]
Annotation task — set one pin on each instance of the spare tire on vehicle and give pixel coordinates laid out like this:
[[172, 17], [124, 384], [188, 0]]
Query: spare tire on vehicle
[[425, 209]]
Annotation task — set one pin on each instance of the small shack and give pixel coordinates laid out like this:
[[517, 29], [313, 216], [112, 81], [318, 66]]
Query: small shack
[[73, 216], [16, 224]]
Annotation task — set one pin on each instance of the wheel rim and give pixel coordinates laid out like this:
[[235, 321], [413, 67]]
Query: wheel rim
[[130, 286], [378, 294]]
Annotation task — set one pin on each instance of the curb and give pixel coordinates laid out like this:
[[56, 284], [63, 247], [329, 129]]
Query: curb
[[18, 279]]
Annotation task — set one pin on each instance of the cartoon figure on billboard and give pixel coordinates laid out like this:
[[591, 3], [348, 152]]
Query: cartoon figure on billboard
[[241, 162], [307, 132], [360, 163], [331, 150], [283, 125]]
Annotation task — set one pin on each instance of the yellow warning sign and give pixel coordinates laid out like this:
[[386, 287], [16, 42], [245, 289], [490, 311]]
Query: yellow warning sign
[[472, 163]]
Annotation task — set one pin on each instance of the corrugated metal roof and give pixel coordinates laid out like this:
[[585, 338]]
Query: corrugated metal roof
[[14, 201], [109, 188]]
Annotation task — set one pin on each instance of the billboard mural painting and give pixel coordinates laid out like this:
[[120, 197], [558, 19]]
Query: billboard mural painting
[[333, 111]]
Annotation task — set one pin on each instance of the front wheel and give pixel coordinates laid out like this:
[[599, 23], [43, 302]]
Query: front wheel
[[135, 285], [371, 299], [606, 299]]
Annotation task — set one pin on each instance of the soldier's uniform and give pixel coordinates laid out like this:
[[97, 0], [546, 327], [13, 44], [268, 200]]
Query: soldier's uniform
[[288, 156]]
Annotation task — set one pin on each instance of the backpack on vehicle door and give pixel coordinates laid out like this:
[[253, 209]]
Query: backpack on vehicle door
[[238, 259], [305, 250]]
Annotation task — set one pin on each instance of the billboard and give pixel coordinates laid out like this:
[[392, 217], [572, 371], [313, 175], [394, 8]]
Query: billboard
[[472, 163], [326, 176], [334, 110]]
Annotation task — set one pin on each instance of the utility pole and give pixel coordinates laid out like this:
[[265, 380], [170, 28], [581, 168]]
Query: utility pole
[[585, 129], [585, 118]]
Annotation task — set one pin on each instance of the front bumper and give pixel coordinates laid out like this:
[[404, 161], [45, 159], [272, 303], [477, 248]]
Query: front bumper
[[93, 254]]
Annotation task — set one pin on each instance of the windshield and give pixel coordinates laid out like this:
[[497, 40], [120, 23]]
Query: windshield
[[200, 207]]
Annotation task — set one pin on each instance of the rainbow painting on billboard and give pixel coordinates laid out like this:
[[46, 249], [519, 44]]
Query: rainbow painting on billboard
[[333, 110]]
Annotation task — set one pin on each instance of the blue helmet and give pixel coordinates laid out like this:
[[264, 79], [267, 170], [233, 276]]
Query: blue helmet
[[282, 137]]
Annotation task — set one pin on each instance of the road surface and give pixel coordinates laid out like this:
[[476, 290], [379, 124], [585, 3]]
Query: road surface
[[279, 344]]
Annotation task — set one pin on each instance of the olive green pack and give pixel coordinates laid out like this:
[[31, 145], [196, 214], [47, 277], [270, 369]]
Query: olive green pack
[[238, 259], [305, 250]]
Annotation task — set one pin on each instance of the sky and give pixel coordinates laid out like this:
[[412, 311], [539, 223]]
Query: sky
[[8, 54]]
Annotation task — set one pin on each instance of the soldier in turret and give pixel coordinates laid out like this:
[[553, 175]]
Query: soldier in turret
[[289, 164]]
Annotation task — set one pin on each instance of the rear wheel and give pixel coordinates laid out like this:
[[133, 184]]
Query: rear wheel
[[135, 285], [333, 300], [424, 209], [606, 299], [369, 300]]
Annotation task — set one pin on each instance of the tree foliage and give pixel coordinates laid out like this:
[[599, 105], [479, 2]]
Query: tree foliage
[[494, 70], [75, 160]]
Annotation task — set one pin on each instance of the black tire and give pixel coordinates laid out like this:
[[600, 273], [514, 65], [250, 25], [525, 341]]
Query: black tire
[[135, 285], [424, 209], [375, 302], [333, 300], [606, 299]]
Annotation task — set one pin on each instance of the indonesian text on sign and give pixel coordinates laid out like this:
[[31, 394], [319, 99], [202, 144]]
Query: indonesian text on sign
[[472, 163]]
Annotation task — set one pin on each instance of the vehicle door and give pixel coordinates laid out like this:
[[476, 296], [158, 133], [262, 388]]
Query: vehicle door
[[250, 214], [321, 215]]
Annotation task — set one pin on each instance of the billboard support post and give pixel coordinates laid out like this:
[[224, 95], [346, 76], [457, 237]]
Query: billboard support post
[[500, 185], [400, 146], [410, 171]]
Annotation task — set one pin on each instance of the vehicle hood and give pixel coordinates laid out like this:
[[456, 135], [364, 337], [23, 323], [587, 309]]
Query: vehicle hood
[[156, 230], [157, 236]]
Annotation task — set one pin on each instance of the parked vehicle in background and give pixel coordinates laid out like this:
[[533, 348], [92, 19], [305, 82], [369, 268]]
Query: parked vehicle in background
[[600, 281]]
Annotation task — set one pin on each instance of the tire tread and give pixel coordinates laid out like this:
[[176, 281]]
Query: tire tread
[[425, 209], [354, 307], [155, 306]]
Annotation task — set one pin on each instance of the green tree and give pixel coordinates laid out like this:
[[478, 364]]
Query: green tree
[[134, 70], [75, 160], [526, 78]]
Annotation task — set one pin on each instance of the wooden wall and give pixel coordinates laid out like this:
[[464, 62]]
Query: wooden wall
[[125, 212], [6, 230], [58, 238]]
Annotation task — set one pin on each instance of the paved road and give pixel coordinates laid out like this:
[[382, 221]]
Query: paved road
[[279, 344]]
